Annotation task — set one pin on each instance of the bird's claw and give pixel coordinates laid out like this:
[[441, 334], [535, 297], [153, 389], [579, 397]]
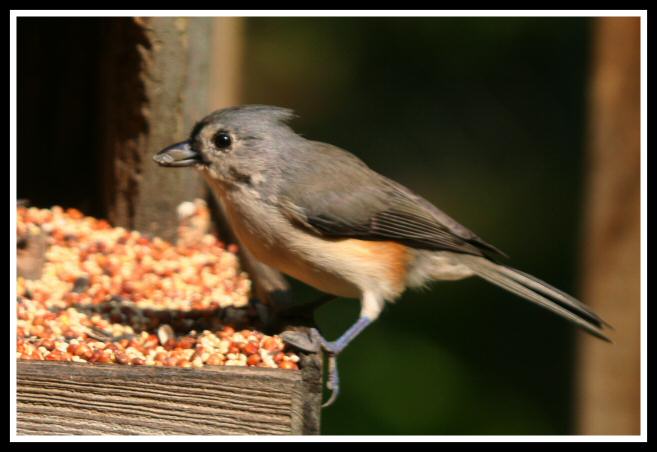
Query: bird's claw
[[313, 342], [307, 342], [333, 383]]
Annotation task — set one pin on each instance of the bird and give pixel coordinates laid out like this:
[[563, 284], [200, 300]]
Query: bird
[[319, 214]]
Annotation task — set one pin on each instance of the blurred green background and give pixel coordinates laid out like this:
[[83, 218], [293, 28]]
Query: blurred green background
[[484, 117]]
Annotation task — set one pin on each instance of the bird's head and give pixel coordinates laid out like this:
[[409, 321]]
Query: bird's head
[[234, 142]]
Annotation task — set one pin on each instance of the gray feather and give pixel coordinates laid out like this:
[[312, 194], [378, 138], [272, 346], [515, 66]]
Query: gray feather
[[339, 196], [539, 292]]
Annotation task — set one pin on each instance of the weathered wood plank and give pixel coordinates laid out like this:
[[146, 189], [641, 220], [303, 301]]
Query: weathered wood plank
[[58, 398], [609, 378]]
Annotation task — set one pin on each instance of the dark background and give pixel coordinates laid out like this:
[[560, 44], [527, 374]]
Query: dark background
[[58, 122], [485, 117]]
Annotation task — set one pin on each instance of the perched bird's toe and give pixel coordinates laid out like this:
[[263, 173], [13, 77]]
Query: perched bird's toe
[[313, 342], [333, 383], [308, 342]]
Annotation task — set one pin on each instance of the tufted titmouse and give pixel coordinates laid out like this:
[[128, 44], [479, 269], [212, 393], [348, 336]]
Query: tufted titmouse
[[321, 215]]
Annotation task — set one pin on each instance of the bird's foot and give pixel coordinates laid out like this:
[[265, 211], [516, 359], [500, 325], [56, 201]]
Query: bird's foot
[[312, 342], [333, 383]]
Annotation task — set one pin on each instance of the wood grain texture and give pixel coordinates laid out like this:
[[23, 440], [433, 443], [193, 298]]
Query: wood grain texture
[[61, 398], [154, 83]]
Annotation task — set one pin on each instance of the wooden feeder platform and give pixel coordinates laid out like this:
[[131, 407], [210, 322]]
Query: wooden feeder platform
[[66, 398]]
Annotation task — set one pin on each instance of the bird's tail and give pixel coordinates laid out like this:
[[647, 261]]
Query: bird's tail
[[539, 292]]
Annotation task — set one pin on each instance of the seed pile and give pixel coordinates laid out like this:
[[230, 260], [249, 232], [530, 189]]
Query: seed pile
[[109, 295]]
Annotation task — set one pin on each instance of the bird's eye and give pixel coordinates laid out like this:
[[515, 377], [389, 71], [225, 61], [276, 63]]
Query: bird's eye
[[222, 140]]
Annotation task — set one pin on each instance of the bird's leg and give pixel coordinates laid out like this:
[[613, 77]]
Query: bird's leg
[[313, 341], [333, 349], [354, 330]]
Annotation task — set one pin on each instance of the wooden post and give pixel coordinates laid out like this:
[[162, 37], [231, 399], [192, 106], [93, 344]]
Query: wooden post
[[155, 81], [269, 285], [226, 62], [609, 375]]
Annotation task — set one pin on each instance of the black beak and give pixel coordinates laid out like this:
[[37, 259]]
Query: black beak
[[178, 155]]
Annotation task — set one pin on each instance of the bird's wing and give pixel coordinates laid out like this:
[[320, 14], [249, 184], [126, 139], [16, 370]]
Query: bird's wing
[[340, 197]]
